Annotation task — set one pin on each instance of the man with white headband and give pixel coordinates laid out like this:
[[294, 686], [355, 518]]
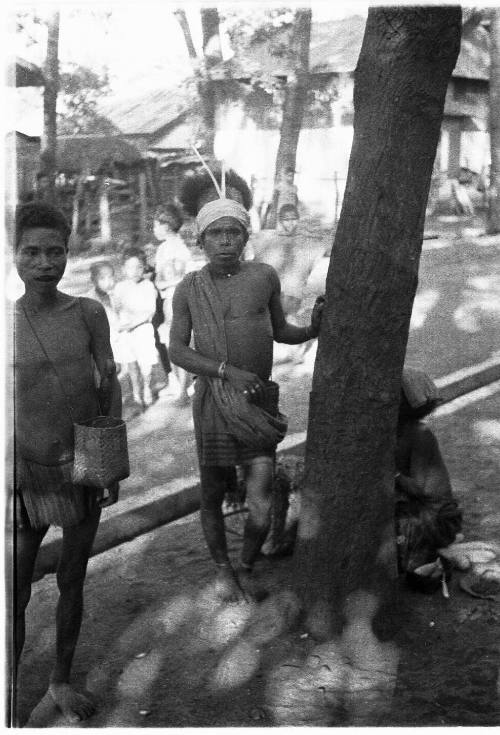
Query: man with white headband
[[233, 309]]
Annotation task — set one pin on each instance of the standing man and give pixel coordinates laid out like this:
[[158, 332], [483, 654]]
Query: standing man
[[58, 342], [234, 311]]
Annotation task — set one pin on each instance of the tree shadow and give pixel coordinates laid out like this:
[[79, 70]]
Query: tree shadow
[[157, 649]]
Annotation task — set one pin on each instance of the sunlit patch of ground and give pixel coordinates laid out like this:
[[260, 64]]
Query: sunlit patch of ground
[[425, 301], [481, 303]]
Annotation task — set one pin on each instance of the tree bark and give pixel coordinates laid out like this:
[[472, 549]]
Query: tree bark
[[494, 191], [206, 90], [346, 533], [294, 103], [49, 137]]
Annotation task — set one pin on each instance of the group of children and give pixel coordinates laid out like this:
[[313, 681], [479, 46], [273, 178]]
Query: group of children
[[139, 307]]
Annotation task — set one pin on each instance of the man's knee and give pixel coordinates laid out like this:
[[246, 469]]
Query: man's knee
[[75, 552], [213, 485]]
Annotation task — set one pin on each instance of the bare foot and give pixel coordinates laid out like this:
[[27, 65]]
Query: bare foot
[[74, 706], [227, 585], [252, 590]]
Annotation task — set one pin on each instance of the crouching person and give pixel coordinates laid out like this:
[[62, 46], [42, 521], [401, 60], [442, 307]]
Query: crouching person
[[59, 341], [427, 515], [234, 311]]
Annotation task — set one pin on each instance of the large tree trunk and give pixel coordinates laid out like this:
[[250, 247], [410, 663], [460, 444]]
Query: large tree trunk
[[346, 534], [494, 191], [294, 103], [205, 87], [49, 137]]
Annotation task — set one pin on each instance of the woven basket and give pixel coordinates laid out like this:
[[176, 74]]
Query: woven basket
[[101, 452]]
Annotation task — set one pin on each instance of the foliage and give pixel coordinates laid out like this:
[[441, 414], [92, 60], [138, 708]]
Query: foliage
[[255, 25], [80, 91]]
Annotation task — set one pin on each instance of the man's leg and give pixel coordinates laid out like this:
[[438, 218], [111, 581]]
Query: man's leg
[[259, 482], [27, 544], [76, 547], [213, 487]]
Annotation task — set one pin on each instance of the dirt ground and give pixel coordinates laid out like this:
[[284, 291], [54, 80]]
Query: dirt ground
[[157, 650]]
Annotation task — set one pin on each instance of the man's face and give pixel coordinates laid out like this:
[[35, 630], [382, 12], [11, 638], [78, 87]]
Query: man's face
[[41, 259], [210, 195], [223, 241]]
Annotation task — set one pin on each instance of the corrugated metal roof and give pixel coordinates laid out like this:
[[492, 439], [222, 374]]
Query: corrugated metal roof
[[335, 47], [148, 112], [180, 136]]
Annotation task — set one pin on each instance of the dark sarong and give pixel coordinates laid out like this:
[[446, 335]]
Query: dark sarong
[[215, 445]]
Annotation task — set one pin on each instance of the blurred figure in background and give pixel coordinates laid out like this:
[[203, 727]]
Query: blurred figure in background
[[102, 276], [171, 264], [135, 303]]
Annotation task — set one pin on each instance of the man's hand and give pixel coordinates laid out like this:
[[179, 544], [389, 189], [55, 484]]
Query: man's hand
[[112, 496], [316, 315], [247, 383]]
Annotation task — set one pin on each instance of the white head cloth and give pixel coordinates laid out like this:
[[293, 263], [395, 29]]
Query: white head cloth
[[221, 208]]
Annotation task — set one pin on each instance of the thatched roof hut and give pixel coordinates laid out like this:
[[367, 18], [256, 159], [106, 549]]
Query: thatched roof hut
[[95, 154]]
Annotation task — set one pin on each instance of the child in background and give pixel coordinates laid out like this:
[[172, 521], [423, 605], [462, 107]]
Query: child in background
[[172, 259], [102, 276], [150, 249], [135, 303]]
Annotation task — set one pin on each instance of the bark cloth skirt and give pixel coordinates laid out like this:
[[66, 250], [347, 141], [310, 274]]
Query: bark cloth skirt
[[46, 496]]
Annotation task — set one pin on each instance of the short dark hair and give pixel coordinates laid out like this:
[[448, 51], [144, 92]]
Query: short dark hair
[[288, 209], [170, 210], [134, 253], [40, 214], [97, 268]]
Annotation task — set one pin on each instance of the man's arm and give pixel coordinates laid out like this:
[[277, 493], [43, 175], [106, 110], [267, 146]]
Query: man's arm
[[291, 334], [109, 388]]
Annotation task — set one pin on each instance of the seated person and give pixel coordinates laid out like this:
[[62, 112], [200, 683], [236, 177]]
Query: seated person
[[427, 517]]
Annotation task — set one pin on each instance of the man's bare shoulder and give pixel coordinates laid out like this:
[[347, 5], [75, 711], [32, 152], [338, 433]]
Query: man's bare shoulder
[[91, 307], [257, 268]]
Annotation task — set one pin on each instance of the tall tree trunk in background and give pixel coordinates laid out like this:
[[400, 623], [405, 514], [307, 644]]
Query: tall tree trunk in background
[[346, 544], [494, 191], [49, 136], [201, 66], [295, 101], [206, 89]]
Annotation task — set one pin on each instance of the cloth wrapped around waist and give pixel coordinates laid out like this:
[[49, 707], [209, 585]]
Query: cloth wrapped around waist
[[230, 429]]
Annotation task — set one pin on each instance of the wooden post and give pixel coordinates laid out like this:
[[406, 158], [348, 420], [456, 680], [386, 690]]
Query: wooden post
[[143, 208], [75, 220], [104, 216]]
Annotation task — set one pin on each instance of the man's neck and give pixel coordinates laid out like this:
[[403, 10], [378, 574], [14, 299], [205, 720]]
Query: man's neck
[[219, 271], [40, 301]]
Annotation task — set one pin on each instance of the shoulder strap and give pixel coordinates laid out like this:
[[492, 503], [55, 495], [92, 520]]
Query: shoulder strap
[[37, 337]]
